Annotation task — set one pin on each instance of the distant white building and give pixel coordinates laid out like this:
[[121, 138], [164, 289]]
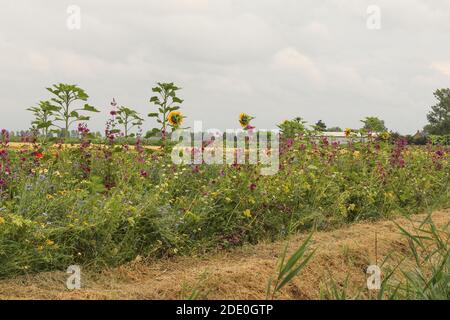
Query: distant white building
[[342, 138]]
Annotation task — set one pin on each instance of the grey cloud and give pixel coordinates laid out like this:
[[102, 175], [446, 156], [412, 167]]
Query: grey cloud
[[274, 59]]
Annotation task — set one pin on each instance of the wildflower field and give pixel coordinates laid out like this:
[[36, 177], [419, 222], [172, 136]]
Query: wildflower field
[[101, 201], [103, 205]]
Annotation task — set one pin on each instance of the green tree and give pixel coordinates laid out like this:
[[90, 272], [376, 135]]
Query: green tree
[[439, 116], [335, 129], [320, 126], [65, 95], [373, 124], [44, 115], [292, 128], [129, 118]]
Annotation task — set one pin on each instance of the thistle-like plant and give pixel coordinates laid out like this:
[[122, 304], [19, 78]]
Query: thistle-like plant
[[129, 119], [166, 101], [44, 116], [65, 95]]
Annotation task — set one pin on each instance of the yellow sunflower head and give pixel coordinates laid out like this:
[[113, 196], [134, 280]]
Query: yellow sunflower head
[[385, 135], [347, 131], [244, 119], [175, 118]]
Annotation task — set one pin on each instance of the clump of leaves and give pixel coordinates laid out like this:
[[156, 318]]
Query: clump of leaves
[[129, 119], [65, 95], [43, 117], [292, 128]]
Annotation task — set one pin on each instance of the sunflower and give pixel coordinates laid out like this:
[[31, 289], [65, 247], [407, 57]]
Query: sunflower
[[385, 135], [244, 119], [175, 118], [348, 131]]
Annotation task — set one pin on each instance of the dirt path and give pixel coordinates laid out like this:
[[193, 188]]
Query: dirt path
[[237, 274]]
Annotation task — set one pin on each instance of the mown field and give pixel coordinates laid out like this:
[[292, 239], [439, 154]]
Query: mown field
[[336, 271], [104, 205]]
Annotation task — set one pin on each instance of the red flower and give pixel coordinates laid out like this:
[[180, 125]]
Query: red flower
[[39, 155], [144, 173]]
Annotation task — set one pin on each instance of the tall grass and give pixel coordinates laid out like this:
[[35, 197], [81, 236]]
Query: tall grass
[[427, 278]]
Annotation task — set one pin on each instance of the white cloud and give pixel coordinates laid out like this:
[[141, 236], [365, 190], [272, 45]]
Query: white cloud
[[290, 60], [271, 58], [442, 67]]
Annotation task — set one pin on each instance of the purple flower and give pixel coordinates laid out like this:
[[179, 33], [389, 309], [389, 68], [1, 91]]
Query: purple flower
[[440, 153], [144, 173]]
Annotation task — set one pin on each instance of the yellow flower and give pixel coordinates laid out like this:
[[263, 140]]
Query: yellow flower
[[356, 154], [49, 242], [385, 135], [389, 195], [247, 213], [2, 220], [175, 118], [244, 119], [347, 131]]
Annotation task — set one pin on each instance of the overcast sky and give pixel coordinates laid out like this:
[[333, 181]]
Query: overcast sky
[[274, 59]]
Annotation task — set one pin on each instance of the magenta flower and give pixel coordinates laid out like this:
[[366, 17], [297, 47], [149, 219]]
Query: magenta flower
[[144, 173]]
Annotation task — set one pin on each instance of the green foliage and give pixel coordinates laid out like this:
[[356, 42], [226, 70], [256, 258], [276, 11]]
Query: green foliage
[[64, 97], [333, 291], [129, 119], [439, 116], [320, 126], [166, 101], [287, 271], [443, 140], [43, 116], [293, 128], [430, 277], [427, 279], [104, 206], [373, 124]]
